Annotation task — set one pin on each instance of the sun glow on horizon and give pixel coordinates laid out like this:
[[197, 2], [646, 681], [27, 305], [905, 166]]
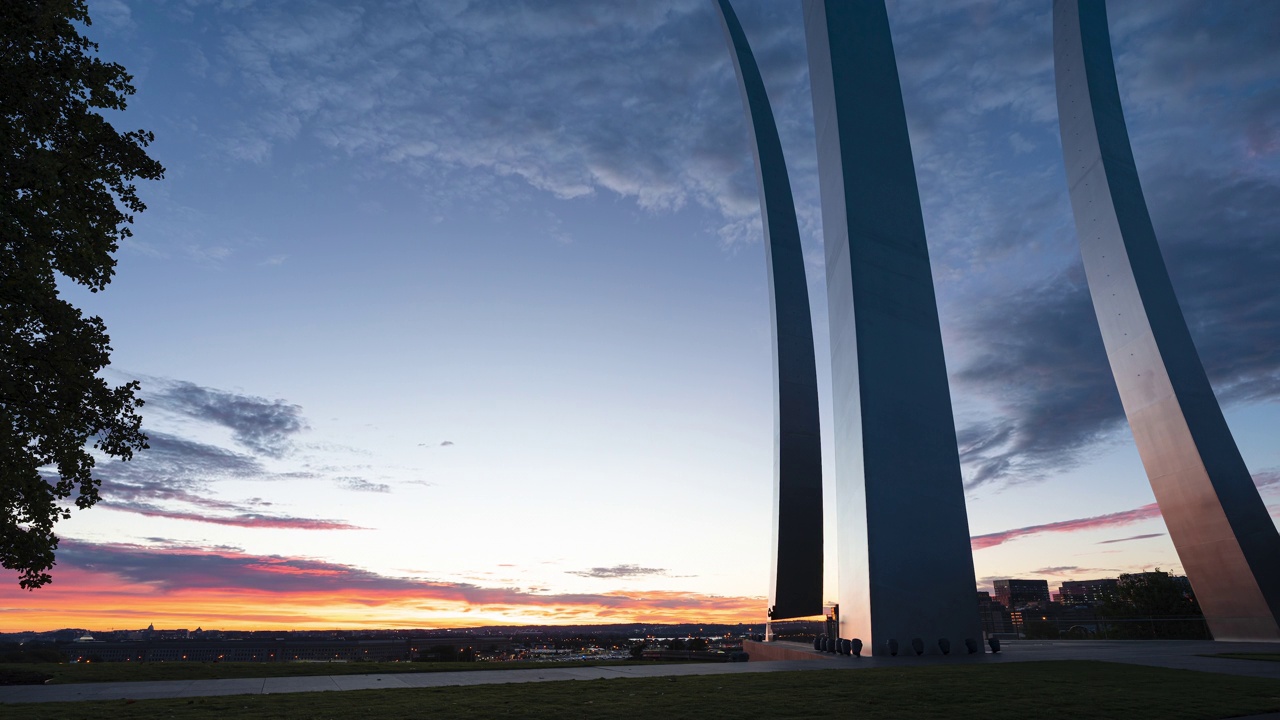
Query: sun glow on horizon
[[228, 590]]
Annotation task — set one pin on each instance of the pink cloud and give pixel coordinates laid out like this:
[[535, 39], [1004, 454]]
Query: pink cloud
[[1264, 480], [1116, 519]]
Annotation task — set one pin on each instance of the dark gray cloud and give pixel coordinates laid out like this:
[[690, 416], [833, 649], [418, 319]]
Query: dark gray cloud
[[1222, 240], [986, 582], [485, 101], [619, 571], [1057, 570], [173, 463], [1202, 100], [1041, 357], [174, 478], [243, 520], [1212, 63], [362, 485], [264, 426], [1127, 539], [1042, 363]]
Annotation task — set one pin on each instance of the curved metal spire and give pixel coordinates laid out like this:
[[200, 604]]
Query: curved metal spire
[[1225, 538], [906, 566], [796, 585]]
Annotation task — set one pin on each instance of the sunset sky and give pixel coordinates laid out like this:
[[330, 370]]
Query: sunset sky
[[452, 313]]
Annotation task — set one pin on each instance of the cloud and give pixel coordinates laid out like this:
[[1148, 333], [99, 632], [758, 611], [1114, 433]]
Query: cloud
[[175, 469], [124, 584], [172, 479], [173, 465], [114, 14], [1116, 519], [488, 102], [1135, 537], [264, 426], [496, 105], [618, 571], [1266, 479], [1043, 365], [1033, 390], [1218, 233], [362, 485], [245, 520], [1056, 570], [1042, 362]]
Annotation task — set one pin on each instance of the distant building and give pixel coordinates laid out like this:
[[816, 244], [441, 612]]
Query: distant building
[[458, 647], [995, 617], [1018, 593], [319, 650], [1087, 592]]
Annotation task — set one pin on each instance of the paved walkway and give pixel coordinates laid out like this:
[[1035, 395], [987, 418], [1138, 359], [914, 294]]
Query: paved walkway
[[1182, 654]]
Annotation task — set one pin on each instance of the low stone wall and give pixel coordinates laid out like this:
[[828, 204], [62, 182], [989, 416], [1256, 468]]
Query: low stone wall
[[782, 651]]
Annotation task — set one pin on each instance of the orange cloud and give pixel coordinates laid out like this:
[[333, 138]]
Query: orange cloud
[[129, 586]]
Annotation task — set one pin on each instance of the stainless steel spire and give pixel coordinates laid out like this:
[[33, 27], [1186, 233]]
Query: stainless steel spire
[[1225, 538]]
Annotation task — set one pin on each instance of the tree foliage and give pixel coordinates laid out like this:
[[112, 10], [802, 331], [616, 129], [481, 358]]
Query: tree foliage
[[1153, 594], [1151, 605], [67, 197]]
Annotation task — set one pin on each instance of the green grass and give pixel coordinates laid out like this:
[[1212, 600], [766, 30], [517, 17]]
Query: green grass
[[986, 692], [1273, 657], [62, 674]]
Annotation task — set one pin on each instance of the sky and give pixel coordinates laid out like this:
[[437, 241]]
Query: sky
[[453, 313]]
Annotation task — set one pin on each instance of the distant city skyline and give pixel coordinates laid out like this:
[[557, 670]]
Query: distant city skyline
[[457, 314]]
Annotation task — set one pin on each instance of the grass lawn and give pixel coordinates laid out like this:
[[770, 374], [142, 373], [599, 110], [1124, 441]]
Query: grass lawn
[[985, 692], [61, 674], [1273, 657]]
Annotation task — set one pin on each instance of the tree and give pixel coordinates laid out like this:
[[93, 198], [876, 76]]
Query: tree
[[1155, 594], [67, 198], [1154, 605]]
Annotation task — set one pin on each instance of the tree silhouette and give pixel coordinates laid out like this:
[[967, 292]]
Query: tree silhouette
[[67, 198]]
